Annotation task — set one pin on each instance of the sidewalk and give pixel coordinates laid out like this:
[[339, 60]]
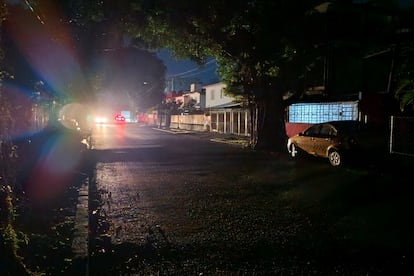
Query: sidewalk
[[228, 138]]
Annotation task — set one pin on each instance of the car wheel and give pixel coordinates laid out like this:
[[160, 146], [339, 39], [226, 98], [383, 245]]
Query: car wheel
[[293, 151], [334, 158]]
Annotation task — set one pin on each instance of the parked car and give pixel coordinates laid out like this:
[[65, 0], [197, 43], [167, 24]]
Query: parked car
[[333, 140]]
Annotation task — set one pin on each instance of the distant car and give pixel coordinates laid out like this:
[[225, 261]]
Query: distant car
[[332, 140], [101, 120], [119, 118]]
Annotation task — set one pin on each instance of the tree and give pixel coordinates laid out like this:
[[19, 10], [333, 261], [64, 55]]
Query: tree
[[130, 76], [384, 41], [267, 48], [10, 238], [404, 91], [87, 52], [264, 48], [405, 94], [257, 45], [403, 77]]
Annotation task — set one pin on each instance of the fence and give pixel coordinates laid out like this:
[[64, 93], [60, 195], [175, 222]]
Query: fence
[[230, 121], [234, 121], [402, 135], [198, 122]]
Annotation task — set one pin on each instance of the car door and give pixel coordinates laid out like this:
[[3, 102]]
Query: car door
[[324, 140], [307, 140]]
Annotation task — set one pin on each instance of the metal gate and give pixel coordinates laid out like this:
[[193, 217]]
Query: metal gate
[[402, 135]]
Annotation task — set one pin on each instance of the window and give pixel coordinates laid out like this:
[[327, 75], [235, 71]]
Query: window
[[322, 112], [313, 131], [212, 92], [327, 131]]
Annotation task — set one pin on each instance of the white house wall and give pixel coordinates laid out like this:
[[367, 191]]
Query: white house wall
[[215, 95]]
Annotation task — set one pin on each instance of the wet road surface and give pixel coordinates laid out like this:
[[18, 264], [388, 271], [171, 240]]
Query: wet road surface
[[179, 204]]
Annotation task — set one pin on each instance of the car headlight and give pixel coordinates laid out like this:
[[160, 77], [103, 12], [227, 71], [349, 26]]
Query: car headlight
[[101, 120]]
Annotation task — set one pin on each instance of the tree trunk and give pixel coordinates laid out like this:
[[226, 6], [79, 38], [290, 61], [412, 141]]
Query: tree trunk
[[253, 124], [268, 123]]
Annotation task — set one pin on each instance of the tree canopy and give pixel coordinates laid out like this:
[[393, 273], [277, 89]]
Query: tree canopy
[[131, 75], [267, 48], [264, 48], [256, 44], [74, 51]]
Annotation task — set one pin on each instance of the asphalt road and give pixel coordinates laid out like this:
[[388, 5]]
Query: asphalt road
[[131, 157], [179, 204]]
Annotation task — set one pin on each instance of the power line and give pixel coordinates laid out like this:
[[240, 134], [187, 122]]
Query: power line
[[189, 73], [194, 74]]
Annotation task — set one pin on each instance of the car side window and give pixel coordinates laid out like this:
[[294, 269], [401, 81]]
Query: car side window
[[313, 131], [327, 131]]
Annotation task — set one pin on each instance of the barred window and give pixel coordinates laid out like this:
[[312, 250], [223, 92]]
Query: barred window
[[314, 113]]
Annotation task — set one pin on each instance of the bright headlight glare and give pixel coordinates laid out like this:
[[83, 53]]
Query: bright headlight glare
[[101, 120]]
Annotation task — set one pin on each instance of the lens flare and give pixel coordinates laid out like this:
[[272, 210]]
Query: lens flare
[[48, 48], [27, 118], [55, 166]]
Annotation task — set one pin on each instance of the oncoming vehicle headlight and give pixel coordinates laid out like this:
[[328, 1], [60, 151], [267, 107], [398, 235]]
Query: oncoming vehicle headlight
[[101, 120]]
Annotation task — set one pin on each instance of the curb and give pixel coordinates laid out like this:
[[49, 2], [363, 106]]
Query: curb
[[214, 137], [235, 142], [173, 130], [80, 243]]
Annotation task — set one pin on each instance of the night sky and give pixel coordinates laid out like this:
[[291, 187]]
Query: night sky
[[187, 69]]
